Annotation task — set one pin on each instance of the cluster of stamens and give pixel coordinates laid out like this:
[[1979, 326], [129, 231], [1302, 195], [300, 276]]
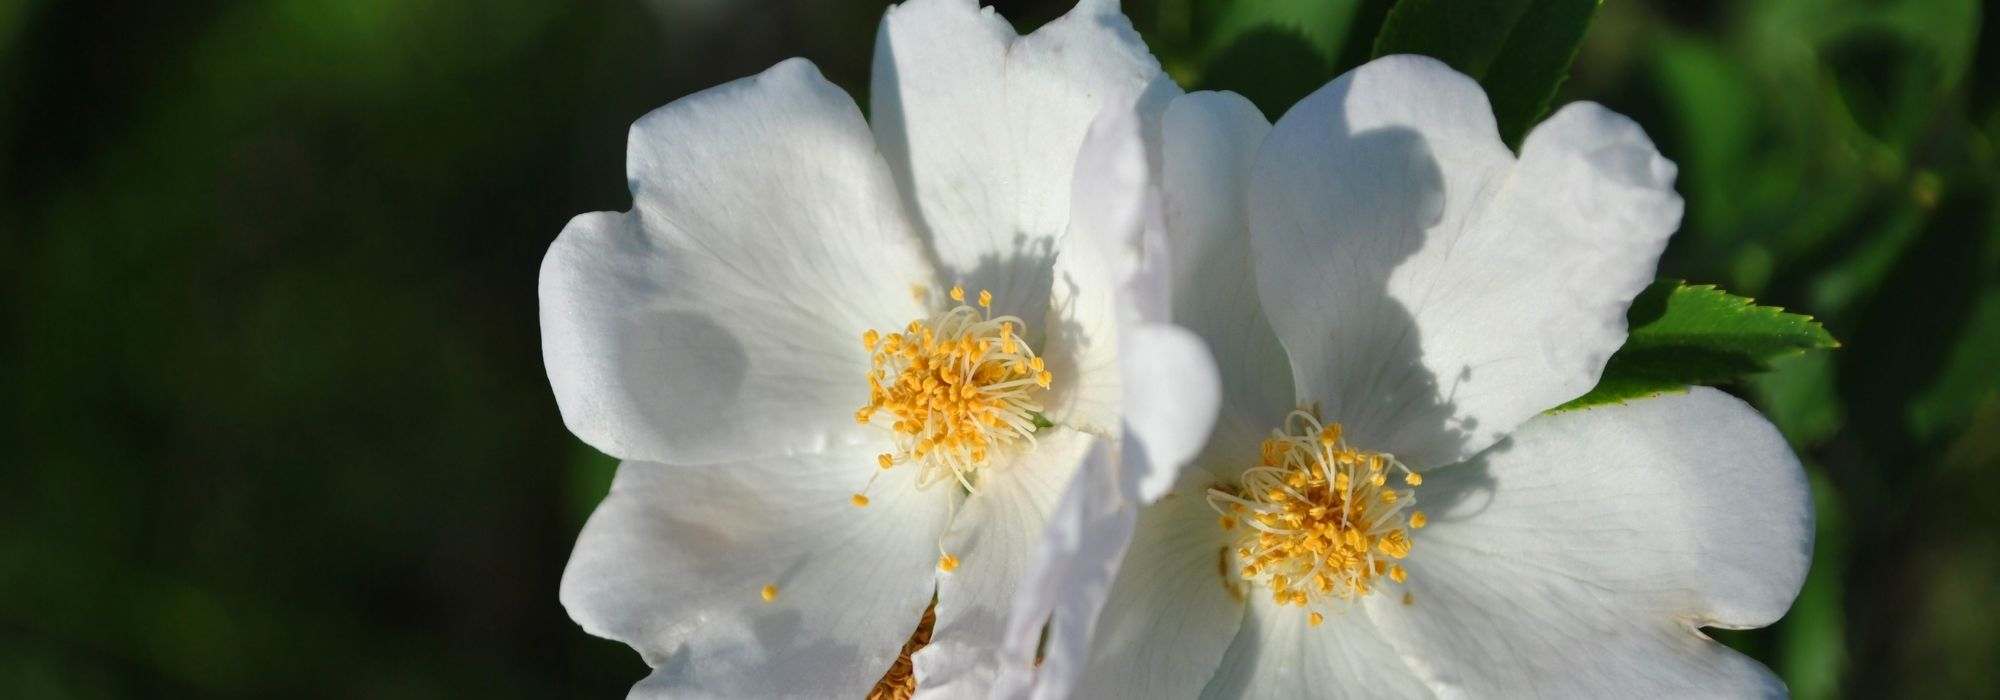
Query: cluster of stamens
[[954, 390], [1318, 522]]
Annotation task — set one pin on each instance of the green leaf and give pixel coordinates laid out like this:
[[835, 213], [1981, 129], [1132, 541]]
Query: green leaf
[[1685, 335], [1518, 50]]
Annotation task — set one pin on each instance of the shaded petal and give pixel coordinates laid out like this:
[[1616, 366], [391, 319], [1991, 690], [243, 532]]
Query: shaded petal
[[1081, 328], [983, 129], [1278, 654], [993, 536], [1579, 557], [675, 560], [1432, 292], [721, 318], [1103, 277], [1168, 617], [1210, 139], [1068, 577], [1171, 396]]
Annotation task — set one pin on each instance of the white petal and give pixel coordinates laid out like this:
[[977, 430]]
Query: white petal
[[1210, 139], [983, 128], [1168, 617], [1578, 558], [675, 560], [1432, 292], [721, 318], [994, 535], [1111, 281], [1067, 580], [1081, 339], [1171, 396], [1278, 654], [1099, 260]]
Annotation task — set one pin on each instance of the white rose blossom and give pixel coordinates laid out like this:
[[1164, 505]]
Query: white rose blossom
[[848, 365], [1384, 509]]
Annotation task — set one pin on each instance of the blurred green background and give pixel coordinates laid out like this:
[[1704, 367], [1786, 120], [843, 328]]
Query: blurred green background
[[276, 417]]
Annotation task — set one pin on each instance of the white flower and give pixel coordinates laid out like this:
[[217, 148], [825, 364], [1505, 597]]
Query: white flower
[[818, 437], [1420, 528]]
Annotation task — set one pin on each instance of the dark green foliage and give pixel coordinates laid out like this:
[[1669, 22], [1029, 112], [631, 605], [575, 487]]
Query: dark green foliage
[[1519, 50]]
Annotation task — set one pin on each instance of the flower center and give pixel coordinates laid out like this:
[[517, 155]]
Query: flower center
[[1317, 521], [953, 389]]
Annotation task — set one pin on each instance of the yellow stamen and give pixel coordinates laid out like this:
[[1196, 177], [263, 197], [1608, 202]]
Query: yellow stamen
[[957, 387], [1314, 619], [947, 563], [1323, 522], [770, 593], [859, 501]]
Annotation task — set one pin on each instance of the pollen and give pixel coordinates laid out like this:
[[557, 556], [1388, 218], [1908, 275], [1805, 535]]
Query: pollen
[[1324, 525], [953, 390], [770, 593]]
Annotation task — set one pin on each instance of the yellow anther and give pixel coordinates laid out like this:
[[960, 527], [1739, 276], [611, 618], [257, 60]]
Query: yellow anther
[[1394, 544], [947, 563], [859, 501], [1227, 522], [951, 382], [770, 593], [1414, 479], [1418, 520], [1315, 619], [1323, 510], [885, 460], [870, 338], [985, 299]]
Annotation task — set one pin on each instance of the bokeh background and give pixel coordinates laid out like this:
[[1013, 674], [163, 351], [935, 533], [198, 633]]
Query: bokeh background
[[276, 421]]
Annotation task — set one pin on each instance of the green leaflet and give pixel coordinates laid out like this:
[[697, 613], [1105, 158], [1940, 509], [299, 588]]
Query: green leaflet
[[1518, 50], [1684, 335]]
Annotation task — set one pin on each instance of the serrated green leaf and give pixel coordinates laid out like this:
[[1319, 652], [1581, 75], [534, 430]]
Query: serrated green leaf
[[1518, 50], [1684, 335]]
